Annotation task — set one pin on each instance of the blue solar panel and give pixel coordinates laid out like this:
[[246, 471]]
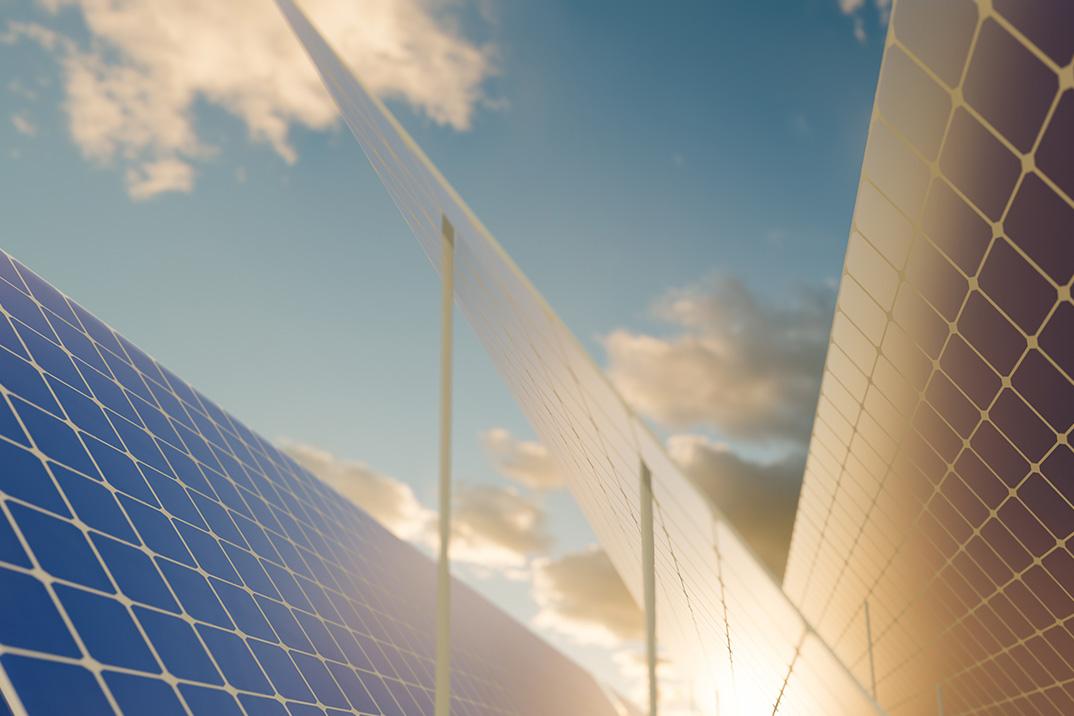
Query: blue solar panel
[[156, 556]]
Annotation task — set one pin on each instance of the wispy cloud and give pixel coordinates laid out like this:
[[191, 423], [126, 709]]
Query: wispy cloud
[[386, 499], [526, 462], [132, 90], [855, 10], [497, 527], [157, 177], [493, 527], [16, 87], [45, 37], [742, 364], [759, 499], [23, 125], [582, 596]]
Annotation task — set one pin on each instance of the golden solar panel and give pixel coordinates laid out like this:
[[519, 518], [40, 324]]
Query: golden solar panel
[[932, 548]]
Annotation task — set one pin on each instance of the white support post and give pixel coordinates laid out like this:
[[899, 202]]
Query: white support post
[[443, 574], [869, 642], [648, 572]]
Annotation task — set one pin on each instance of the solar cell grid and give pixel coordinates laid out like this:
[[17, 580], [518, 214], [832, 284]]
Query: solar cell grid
[[951, 354], [157, 556], [719, 614]]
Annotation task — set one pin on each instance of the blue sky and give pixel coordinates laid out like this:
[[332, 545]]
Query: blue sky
[[617, 150]]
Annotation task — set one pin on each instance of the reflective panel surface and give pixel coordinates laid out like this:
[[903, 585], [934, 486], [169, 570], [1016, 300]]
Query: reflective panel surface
[[720, 616], [932, 548], [158, 557]]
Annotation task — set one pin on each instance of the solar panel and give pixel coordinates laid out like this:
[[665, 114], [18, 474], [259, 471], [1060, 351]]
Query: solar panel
[[157, 556], [721, 617], [933, 547]]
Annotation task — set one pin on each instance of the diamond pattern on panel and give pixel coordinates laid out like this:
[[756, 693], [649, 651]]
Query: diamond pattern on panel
[[156, 556], [940, 484]]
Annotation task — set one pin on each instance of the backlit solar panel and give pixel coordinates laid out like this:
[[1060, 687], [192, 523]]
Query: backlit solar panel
[[158, 557], [939, 492], [723, 620]]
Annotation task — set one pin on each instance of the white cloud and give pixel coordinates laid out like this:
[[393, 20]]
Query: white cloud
[[160, 176], [526, 462], [759, 499], [742, 364], [23, 125], [132, 92], [492, 527], [859, 30], [855, 10], [387, 500], [122, 111], [582, 596], [496, 527]]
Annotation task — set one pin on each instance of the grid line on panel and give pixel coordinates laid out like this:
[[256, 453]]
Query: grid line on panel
[[790, 672], [874, 120], [298, 552], [36, 570], [658, 509], [973, 549], [723, 607], [475, 310], [547, 370]]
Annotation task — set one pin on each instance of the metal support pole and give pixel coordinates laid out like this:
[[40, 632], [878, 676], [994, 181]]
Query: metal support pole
[[939, 699], [648, 571], [443, 573], [869, 641]]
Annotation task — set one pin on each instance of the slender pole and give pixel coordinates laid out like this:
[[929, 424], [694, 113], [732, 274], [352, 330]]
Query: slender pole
[[869, 641], [443, 574], [648, 571], [939, 699]]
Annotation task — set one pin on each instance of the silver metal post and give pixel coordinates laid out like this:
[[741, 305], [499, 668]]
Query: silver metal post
[[648, 571], [869, 641], [939, 699], [443, 574]]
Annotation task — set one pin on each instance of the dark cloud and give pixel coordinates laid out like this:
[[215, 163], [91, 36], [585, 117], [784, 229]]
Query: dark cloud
[[759, 499], [497, 526], [525, 462], [581, 595], [746, 366]]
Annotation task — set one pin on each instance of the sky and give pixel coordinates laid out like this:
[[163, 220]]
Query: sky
[[677, 179]]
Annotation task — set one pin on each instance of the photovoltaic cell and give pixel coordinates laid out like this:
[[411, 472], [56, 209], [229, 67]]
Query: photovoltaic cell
[[933, 542], [157, 557], [720, 615]]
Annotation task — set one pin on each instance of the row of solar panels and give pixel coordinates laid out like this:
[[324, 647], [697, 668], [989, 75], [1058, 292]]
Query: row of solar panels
[[932, 548], [719, 612], [939, 489], [163, 557], [157, 557]]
